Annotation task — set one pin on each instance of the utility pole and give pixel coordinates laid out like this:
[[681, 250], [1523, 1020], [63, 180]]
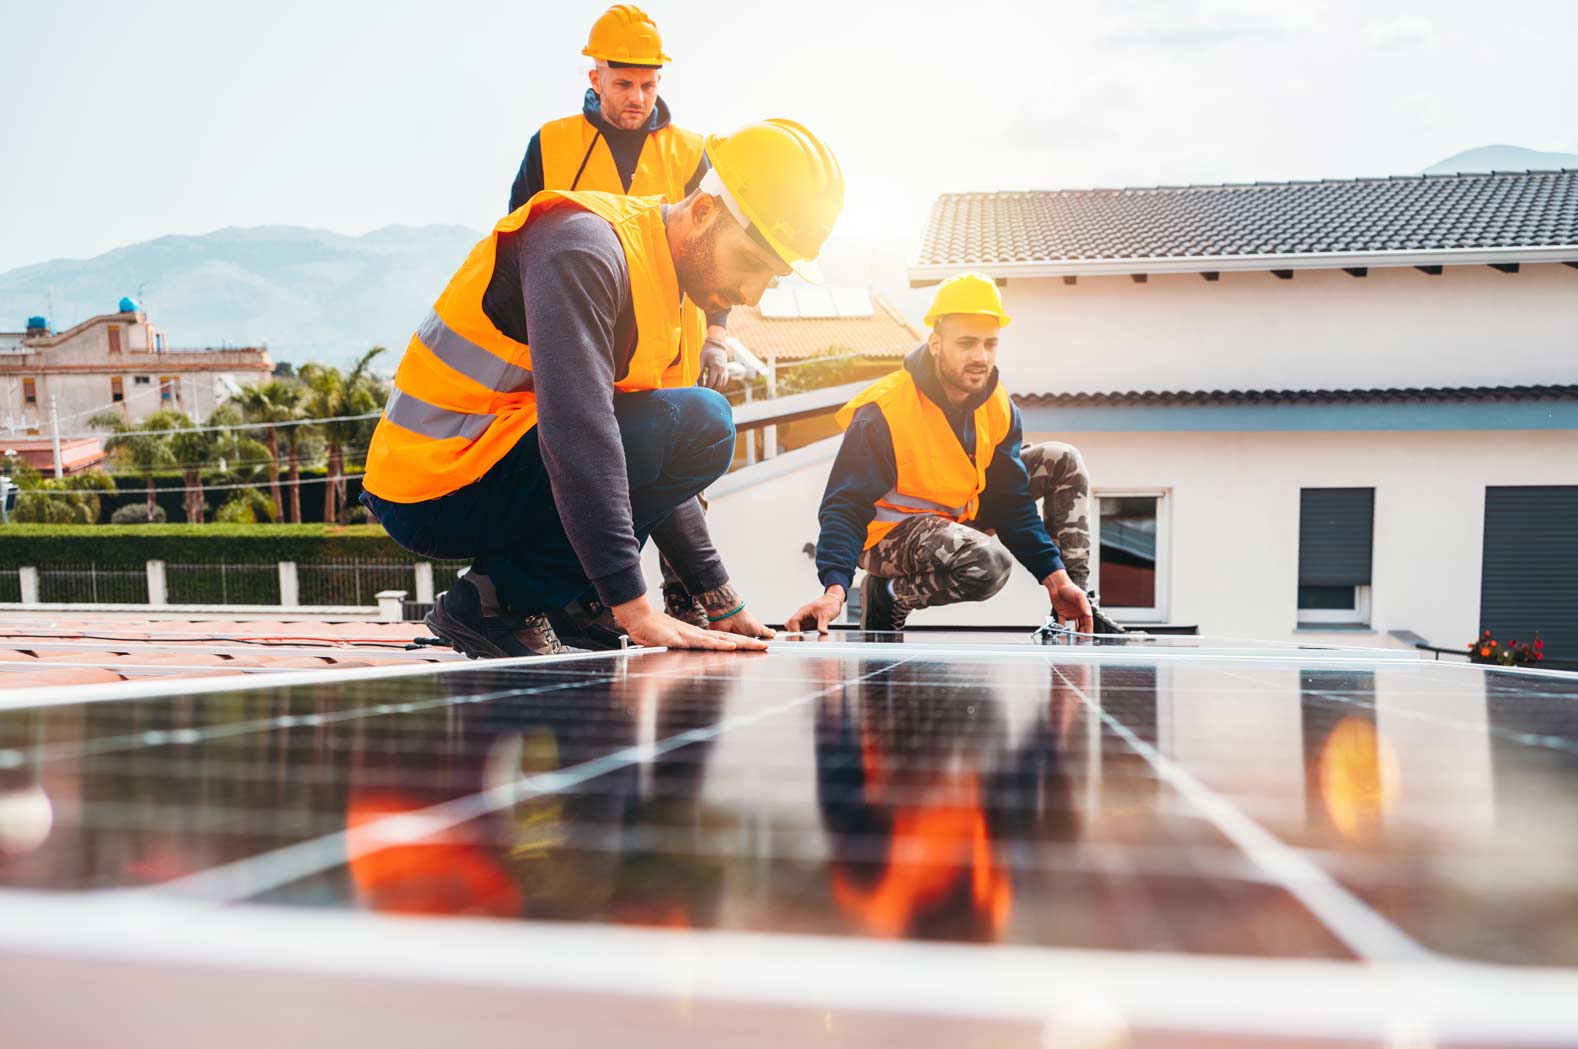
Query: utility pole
[[54, 426]]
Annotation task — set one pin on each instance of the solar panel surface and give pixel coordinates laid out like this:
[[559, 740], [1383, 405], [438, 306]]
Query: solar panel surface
[[1163, 801]]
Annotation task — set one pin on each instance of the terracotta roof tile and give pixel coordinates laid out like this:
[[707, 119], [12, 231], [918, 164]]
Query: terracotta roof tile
[[883, 334]]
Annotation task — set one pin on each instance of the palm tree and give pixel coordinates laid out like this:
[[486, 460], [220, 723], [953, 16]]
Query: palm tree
[[144, 446], [334, 396], [269, 402], [212, 448]]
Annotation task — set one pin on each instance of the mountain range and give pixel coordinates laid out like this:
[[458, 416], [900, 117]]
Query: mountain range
[[315, 295]]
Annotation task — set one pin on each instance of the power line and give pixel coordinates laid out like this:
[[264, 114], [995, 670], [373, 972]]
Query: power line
[[214, 429], [286, 482]]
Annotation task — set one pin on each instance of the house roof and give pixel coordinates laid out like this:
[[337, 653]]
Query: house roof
[[854, 322], [53, 649], [1396, 395], [1406, 220]]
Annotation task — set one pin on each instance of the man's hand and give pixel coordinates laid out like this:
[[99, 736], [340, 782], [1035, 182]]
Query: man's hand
[[647, 626], [714, 359], [1069, 601], [745, 624], [822, 611]]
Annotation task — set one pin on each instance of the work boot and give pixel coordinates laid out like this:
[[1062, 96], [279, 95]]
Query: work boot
[[1101, 623], [879, 609], [590, 624], [462, 621], [678, 602]]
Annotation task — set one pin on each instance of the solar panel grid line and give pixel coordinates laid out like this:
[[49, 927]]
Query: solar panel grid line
[[256, 875], [1347, 917]]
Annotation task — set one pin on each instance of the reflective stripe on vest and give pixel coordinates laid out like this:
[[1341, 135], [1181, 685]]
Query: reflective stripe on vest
[[469, 359], [935, 476], [463, 395], [410, 412]]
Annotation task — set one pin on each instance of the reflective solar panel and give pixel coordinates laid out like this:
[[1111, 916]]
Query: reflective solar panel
[[966, 811]]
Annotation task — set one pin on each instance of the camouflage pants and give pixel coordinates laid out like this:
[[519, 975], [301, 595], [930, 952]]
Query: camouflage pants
[[935, 561], [1058, 478]]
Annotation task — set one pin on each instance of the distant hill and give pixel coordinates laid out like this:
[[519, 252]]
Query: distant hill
[[1501, 158], [312, 294]]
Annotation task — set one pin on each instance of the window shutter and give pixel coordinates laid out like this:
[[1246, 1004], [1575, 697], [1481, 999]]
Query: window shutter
[[1336, 529]]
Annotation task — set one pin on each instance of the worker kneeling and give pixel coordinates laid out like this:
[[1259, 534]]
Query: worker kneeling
[[543, 419], [930, 461]]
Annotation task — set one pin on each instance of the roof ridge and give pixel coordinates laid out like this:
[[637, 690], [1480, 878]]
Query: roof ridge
[[1439, 176]]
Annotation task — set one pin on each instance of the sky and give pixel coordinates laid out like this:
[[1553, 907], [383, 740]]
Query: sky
[[127, 121]]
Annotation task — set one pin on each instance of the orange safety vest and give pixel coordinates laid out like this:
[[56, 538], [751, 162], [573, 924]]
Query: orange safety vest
[[935, 476], [575, 156], [463, 393]]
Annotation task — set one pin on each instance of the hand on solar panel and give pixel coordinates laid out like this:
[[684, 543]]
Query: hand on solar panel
[[714, 360], [745, 624], [647, 626], [822, 611], [1069, 602]]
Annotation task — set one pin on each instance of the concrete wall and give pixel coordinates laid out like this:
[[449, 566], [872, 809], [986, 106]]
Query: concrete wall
[[1471, 325], [1230, 554]]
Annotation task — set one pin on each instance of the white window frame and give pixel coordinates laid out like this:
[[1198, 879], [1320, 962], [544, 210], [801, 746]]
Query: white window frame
[[1157, 613], [1359, 615]]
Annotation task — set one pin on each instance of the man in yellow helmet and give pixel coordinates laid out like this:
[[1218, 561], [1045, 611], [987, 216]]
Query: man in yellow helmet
[[622, 141], [544, 418], [929, 462]]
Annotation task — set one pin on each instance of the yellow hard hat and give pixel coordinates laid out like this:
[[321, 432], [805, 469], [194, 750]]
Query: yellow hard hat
[[968, 293], [783, 185], [627, 35]]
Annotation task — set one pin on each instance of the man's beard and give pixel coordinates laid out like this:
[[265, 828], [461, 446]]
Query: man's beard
[[697, 267]]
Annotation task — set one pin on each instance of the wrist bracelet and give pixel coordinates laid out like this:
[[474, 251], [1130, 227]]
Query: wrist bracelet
[[731, 612]]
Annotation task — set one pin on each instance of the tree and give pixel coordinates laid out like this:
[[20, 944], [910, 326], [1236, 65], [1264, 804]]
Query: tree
[[270, 402], [72, 499], [334, 396], [210, 448], [144, 446]]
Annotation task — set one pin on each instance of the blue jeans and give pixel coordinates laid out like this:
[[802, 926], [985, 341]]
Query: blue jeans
[[677, 442]]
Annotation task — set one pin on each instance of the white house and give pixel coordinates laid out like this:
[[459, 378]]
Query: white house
[[1336, 410]]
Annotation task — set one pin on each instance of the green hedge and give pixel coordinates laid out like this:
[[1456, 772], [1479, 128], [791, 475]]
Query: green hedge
[[37, 544], [168, 493]]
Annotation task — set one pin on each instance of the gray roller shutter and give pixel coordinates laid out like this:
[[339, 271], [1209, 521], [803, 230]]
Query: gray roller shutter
[[1529, 568], [1336, 529]]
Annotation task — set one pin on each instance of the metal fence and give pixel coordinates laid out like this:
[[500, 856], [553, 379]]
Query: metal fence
[[10, 584], [222, 584], [93, 584], [352, 582]]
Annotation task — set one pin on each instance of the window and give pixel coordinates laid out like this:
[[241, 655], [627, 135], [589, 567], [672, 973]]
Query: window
[[142, 380], [115, 338], [1336, 531], [1129, 572], [29, 391], [117, 389], [169, 389]]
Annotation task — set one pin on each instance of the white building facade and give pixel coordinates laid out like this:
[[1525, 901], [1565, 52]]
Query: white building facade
[[1341, 411], [114, 361]]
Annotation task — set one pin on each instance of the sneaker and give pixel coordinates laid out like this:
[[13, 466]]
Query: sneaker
[[457, 620], [678, 603], [879, 609]]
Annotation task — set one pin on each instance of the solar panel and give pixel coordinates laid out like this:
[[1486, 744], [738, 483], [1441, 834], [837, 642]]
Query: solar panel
[[933, 839]]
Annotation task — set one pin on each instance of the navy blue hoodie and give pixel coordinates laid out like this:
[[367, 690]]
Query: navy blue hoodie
[[865, 471]]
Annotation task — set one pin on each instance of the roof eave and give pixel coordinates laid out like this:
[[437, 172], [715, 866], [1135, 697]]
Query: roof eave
[[923, 275]]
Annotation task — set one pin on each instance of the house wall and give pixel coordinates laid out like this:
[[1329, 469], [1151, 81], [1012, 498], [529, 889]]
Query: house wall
[[1230, 554], [1397, 327]]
